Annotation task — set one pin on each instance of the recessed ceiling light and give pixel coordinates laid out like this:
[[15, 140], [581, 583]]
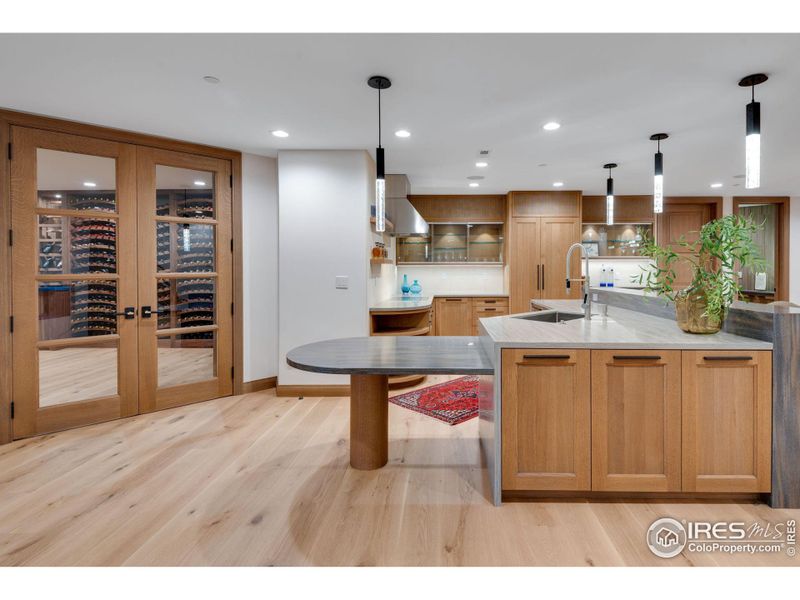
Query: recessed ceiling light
[[58, 195], [474, 184], [211, 79], [551, 126], [716, 185], [198, 182], [89, 184], [279, 133], [402, 133], [481, 164], [558, 184]]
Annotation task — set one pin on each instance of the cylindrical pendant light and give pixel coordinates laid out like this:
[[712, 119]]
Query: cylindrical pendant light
[[610, 194], [379, 82], [658, 174], [752, 148]]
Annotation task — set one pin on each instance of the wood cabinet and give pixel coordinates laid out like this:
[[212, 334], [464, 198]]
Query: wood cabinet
[[537, 259], [459, 209], [459, 316], [545, 204], [453, 316], [636, 420], [727, 421], [546, 419], [627, 209], [487, 307]]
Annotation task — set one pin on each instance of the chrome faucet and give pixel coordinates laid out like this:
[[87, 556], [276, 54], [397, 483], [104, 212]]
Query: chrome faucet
[[587, 296]]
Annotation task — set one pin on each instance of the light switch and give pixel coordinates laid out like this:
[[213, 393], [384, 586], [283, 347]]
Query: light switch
[[342, 282]]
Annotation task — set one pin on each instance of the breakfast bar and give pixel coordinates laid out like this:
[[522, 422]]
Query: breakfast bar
[[369, 361]]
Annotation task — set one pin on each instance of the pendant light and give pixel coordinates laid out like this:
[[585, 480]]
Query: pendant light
[[658, 174], [610, 194], [379, 82], [752, 151]]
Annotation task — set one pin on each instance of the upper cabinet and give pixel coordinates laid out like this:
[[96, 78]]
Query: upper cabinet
[[461, 209], [454, 243], [544, 204], [627, 209]]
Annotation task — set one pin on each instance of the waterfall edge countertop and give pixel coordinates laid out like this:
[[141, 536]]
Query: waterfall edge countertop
[[394, 355]]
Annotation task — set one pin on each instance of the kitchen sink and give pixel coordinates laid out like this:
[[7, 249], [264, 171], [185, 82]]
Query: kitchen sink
[[550, 316]]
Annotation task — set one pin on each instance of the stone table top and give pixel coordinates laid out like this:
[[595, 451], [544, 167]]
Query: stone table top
[[394, 355]]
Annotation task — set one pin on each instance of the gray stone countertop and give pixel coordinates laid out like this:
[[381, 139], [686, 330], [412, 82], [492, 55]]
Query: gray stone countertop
[[405, 302], [394, 355], [621, 329]]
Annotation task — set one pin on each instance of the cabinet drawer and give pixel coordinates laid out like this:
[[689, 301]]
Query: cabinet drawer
[[489, 302]]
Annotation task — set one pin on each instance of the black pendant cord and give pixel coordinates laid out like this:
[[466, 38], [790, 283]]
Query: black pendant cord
[[379, 117]]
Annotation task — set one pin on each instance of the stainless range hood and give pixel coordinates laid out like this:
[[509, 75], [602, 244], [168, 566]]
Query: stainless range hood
[[406, 219]]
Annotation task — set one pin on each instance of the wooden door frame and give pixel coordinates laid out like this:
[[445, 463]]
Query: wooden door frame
[[784, 208], [9, 118]]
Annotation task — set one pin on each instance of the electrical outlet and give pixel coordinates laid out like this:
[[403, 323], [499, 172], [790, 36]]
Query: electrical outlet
[[342, 282]]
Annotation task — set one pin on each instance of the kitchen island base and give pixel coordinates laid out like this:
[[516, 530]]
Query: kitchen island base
[[369, 421]]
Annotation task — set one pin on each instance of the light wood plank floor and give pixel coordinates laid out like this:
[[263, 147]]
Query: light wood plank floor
[[262, 480]]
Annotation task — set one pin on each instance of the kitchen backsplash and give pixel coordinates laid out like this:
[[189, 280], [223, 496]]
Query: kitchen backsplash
[[623, 271], [441, 279]]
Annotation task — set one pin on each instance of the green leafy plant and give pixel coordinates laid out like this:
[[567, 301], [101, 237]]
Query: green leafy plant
[[723, 247]]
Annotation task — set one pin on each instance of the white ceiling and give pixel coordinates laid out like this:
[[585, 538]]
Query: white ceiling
[[457, 94]]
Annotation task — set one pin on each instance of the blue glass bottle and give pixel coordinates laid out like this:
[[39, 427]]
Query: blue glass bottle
[[416, 288], [405, 287]]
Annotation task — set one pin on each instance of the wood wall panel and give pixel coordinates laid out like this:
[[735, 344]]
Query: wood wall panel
[[460, 209], [545, 203]]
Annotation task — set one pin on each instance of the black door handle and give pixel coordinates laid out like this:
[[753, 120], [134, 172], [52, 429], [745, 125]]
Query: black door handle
[[147, 312], [635, 357], [727, 358], [129, 312]]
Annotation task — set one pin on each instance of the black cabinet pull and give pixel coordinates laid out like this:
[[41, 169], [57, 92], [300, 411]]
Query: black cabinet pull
[[727, 358], [635, 357], [453, 299], [148, 311], [550, 356], [538, 276], [129, 312], [489, 309], [543, 285]]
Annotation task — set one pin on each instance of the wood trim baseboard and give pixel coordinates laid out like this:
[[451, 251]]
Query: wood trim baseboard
[[258, 385], [566, 496], [315, 391]]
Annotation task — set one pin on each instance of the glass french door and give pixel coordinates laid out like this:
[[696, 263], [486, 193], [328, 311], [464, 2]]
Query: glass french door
[[74, 271], [118, 276], [185, 287]]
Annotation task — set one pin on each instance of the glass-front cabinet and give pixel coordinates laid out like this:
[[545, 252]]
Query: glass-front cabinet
[[614, 241], [454, 243]]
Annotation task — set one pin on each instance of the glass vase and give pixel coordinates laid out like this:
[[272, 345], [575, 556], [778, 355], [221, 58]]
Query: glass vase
[[690, 308]]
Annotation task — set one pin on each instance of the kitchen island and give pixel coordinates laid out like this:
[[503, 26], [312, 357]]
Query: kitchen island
[[624, 404]]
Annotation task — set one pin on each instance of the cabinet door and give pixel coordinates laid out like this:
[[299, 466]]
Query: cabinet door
[[546, 419], [727, 421], [636, 420], [453, 316], [558, 234], [524, 264], [677, 221]]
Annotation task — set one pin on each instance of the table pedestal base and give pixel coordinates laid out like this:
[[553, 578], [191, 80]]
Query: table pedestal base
[[369, 421]]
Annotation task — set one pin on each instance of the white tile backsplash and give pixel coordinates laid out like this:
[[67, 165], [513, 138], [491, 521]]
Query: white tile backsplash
[[623, 271], [466, 279]]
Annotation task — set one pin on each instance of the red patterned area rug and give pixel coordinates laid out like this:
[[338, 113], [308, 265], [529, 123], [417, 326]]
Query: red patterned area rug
[[453, 401]]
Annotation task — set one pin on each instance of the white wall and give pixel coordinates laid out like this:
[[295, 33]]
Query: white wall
[[323, 216], [260, 257], [453, 279], [794, 250]]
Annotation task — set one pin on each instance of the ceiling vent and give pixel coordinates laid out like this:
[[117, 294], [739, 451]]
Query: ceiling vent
[[483, 152]]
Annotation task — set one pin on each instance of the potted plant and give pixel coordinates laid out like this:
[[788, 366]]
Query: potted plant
[[722, 248]]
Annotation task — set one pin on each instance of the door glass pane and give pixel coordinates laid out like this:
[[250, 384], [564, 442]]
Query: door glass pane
[[77, 245], [485, 242], [449, 243], [76, 181], [759, 284], [77, 373], [184, 247], [186, 358], [185, 302], [184, 193], [70, 309]]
